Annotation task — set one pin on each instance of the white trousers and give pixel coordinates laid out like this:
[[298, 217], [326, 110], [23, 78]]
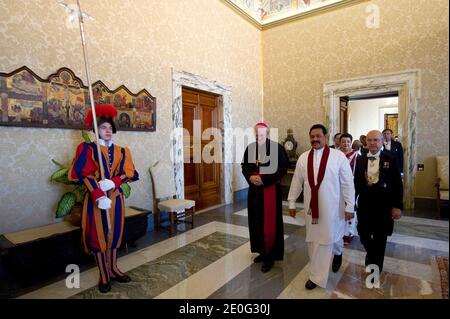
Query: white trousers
[[320, 257]]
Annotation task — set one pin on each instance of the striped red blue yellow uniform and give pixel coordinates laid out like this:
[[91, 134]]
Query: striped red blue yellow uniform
[[119, 168]]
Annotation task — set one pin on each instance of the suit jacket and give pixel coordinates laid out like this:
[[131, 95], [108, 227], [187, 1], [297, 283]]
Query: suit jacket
[[397, 149], [374, 203]]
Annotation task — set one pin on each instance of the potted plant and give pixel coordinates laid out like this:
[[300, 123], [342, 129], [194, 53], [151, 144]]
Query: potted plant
[[70, 203]]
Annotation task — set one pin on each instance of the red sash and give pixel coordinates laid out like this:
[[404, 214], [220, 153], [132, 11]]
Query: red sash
[[270, 213], [270, 222], [314, 204], [352, 161]]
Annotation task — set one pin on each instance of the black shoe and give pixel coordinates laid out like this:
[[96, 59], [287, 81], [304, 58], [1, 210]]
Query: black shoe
[[267, 265], [258, 259], [104, 288], [122, 279], [310, 285], [337, 262]]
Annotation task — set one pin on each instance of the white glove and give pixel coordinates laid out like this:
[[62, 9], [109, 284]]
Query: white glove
[[106, 185], [104, 203]]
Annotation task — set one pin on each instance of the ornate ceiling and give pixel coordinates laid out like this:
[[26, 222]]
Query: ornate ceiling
[[265, 14]]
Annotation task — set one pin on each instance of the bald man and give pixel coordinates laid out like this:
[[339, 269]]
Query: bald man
[[379, 189]]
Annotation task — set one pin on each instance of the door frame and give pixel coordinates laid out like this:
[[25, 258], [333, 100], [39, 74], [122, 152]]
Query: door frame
[[408, 85], [182, 79]]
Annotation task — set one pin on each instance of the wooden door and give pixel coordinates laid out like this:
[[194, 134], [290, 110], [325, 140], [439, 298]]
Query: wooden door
[[343, 107], [201, 180]]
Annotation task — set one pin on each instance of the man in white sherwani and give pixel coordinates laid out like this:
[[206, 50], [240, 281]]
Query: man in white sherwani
[[329, 197]]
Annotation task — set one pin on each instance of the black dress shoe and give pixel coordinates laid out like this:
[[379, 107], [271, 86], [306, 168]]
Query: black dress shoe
[[104, 288], [310, 285], [122, 279], [337, 262], [267, 265], [258, 259]]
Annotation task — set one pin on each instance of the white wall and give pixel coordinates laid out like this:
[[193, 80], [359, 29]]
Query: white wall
[[366, 115]]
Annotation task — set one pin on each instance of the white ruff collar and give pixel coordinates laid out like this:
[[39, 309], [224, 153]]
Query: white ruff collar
[[104, 143]]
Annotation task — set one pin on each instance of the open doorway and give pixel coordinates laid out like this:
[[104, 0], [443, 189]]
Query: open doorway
[[371, 112], [407, 85]]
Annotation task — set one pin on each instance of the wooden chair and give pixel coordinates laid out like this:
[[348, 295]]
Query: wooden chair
[[442, 183], [164, 198]]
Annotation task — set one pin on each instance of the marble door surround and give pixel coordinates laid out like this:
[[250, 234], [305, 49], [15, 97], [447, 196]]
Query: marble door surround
[[182, 79], [408, 85]]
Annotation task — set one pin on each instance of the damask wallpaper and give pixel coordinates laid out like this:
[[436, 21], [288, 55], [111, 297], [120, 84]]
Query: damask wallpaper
[[138, 42], [130, 42], [300, 56]]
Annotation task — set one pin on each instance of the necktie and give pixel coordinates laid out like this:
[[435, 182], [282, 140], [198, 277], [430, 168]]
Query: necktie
[[371, 158]]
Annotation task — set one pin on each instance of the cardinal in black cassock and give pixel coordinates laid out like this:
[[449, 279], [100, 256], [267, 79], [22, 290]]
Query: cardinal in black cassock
[[264, 165]]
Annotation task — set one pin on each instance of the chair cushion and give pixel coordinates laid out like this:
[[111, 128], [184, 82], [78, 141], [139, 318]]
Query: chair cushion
[[443, 195], [176, 205], [163, 179], [442, 171]]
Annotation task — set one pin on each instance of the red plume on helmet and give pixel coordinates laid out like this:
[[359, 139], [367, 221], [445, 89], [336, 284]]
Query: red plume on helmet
[[101, 111]]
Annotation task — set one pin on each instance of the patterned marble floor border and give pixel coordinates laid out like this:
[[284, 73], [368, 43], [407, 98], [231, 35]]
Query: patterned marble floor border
[[298, 220], [425, 221], [89, 279], [296, 288], [419, 242], [228, 267], [396, 238]]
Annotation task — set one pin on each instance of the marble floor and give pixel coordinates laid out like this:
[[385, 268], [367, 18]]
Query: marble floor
[[213, 261]]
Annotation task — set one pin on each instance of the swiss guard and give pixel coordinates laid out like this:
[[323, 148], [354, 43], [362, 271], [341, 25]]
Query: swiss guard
[[102, 236]]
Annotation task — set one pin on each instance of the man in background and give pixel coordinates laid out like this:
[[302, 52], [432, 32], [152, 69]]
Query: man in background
[[395, 147]]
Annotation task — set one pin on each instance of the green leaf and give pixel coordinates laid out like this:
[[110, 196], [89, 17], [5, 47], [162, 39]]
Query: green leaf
[[85, 136], [57, 163], [126, 190], [64, 179], [80, 190], [66, 204], [59, 174]]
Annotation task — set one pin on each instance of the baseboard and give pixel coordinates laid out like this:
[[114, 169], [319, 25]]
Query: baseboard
[[240, 195], [425, 203]]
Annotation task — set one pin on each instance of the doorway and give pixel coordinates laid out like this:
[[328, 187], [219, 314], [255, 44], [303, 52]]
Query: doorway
[[201, 178], [371, 112], [408, 85], [182, 79]]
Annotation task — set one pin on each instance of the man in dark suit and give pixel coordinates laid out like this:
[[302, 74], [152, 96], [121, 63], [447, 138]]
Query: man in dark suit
[[379, 193], [337, 141], [395, 147], [364, 149]]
